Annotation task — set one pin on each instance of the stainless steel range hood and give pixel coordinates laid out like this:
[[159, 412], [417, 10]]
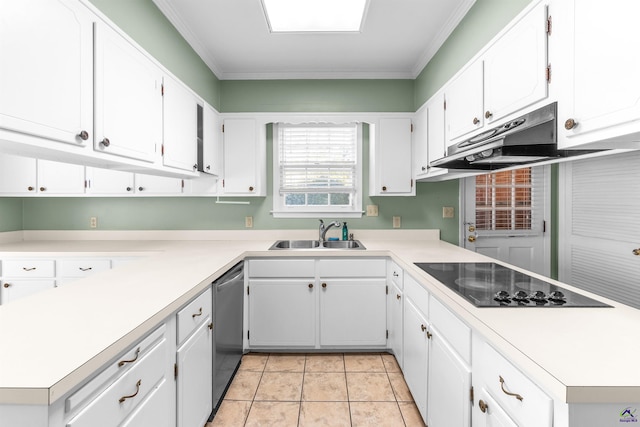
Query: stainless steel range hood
[[529, 139]]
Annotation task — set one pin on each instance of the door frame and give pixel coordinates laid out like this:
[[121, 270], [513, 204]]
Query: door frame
[[548, 217]]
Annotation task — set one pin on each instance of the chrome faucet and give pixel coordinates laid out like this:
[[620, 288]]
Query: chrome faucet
[[322, 230]]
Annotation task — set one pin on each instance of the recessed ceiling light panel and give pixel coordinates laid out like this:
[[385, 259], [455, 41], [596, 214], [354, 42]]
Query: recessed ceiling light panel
[[315, 15]]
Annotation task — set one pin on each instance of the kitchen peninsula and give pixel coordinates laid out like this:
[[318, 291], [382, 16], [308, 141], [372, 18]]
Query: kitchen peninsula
[[57, 341]]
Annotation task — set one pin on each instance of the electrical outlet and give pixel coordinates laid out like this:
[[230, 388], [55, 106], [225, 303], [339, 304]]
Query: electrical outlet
[[372, 210], [93, 222], [248, 221], [447, 212], [396, 222]]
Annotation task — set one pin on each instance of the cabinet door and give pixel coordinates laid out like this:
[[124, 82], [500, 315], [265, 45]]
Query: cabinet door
[[420, 141], [195, 378], [394, 322], [416, 355], [154, 409], [211, 141], [436, 131], [341, 324], [128, 100], [449, 386], [240, 157], [465, 103], [17, 174], [515, 67], [60, 178], [391, 159], [108, 181], [153, 185], [180, 125], [46, 78], [492, 415], [16, 289], [602, 96], [282, 312]]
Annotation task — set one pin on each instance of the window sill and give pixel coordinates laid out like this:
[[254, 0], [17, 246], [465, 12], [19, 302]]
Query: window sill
[[317, 214]]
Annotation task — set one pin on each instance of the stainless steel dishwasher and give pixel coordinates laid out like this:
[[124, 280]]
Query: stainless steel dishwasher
[[228, 303]]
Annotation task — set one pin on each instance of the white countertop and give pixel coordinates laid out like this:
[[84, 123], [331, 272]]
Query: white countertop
[[52, 341]]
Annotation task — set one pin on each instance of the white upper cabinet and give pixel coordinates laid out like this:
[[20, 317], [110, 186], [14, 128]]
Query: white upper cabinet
[[60, 178], [507, 77], [24, 176], [390, 159], [128, 101], [420, 141], [464, 102], [436, 130], [515, 67], [109, 182], [180, 126], [600, 100], [244, 158], [211, 141], [46, 81]]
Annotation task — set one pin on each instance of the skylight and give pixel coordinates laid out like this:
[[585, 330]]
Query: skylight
[[315, 15]]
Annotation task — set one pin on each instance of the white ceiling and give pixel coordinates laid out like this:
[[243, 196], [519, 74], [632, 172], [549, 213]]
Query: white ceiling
[[397, 40]]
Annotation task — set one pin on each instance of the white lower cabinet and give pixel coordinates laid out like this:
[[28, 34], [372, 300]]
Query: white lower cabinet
[[194, 362], [416, 355], [117, 392], [282, 313], [505, 389], [395, 304], [317, 303], [448, 396], [14, 289]]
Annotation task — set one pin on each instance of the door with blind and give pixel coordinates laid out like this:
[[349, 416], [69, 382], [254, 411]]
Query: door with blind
[[504, 217], [599, 241]]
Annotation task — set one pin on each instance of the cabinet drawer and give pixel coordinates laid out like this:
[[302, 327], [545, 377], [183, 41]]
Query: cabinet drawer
[[82, 267], [354, 267], [282, 268], [452, 329], [117, 368], [28, 268], [194, 314], [535, 408], [396, 274], [116, 402], [417, 294]]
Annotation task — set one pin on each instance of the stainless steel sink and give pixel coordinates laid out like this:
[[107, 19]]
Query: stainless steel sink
[[315, 244], [343, 244]]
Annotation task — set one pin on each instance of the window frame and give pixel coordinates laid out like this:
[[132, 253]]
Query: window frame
[[280, 210]]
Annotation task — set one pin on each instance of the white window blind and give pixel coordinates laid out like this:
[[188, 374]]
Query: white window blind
[[318, 158], [509, 201]]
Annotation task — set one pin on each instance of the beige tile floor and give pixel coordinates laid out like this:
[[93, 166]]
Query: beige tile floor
[[318, 390]]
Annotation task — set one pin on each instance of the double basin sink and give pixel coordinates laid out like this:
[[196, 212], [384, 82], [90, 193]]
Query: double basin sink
[[316, 244]]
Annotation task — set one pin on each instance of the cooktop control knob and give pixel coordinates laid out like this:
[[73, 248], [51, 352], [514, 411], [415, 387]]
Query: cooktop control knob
[[557, 297], [502, 297], [538, 296], [521, 297]]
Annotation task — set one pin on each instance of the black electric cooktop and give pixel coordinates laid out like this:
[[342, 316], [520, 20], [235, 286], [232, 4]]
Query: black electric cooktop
[[487, 284]]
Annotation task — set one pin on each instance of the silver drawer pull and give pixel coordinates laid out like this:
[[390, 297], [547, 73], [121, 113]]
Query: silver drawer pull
[[508, 393], [123, 398], [28, 268], [199, 313], [122, 362], [85, 268]]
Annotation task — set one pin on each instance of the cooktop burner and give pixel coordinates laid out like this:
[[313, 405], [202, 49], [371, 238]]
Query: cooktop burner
[[487, 284]]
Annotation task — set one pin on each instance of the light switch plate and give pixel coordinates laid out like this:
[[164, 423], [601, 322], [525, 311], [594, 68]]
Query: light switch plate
[[448, 212], [248, 221], [396, 222], [372, 210]]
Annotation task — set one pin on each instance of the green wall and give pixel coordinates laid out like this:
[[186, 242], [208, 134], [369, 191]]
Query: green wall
[[483, 21], [148, 27]]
